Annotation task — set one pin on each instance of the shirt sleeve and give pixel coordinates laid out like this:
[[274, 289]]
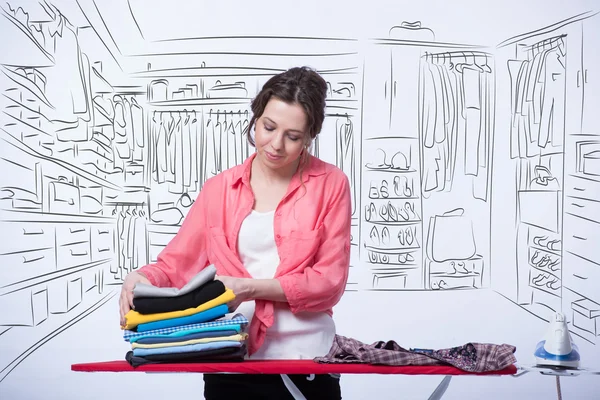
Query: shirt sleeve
[[186, 254], [319, 287]]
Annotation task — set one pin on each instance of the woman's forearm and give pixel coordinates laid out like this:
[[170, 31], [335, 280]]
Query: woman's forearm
[[266, 289]]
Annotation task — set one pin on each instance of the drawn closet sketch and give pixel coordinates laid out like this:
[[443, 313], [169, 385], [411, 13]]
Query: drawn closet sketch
[[106, 143], [428, 174], [553, 151]]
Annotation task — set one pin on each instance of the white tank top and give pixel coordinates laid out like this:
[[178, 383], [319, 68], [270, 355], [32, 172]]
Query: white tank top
[[304, 335]]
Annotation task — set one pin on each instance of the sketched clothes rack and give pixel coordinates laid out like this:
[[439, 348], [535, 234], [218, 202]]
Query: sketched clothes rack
[[456, 113], [537, 79]]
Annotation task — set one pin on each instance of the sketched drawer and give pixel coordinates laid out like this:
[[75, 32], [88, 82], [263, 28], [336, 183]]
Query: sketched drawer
[[18, 267], [581, 276], [73, 233], [582, 237], [70, 255], [579, 187], [102, 242], [584, 208], [28, 307], [64, 293], [24, 236]]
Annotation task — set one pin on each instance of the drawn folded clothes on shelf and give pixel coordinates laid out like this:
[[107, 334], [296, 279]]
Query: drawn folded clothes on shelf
[[471, 357], [172, 325]]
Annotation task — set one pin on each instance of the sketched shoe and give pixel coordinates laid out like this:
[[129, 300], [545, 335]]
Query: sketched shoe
[[554, 266], [374, 235], [385, 236], [385, 259], [409, 236], [409, 258], [536, 240], [555, 284], [538, 279], [453, 265], [371, 213], [462, 268], [373, 191], [403, 215], [402, 258], [407, 191], [544, 262], [383, 190], [410, 211], [553, 245], [372, 257], [401, 237], [398, 191], [534, 259], [383, 213], [392, 212]]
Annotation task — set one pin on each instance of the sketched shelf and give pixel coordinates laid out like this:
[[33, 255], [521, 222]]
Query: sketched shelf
[[25, 340], [394, 171], [395, 223], [77, 170], [473, 274], [553, 252], [392, 250], [27, 84], [201, 102], [39, 216], [555, 274], [425, 44], [591, 178], [14, 287]]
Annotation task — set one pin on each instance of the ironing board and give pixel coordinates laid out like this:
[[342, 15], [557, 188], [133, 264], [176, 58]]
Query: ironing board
[[286, 367], [282, 367]]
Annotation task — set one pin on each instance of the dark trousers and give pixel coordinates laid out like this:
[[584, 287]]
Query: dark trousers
[[269, 387]]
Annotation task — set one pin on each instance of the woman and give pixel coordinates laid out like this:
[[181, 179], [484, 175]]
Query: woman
[[277, 228]]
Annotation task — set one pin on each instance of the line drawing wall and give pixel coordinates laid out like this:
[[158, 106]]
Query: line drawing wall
[[104, 153]]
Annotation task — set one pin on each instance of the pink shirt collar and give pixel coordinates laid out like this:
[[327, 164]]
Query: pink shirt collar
[[314, 167]]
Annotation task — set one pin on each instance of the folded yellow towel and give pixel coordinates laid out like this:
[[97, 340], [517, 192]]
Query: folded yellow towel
[[134, 318], [238, 337]]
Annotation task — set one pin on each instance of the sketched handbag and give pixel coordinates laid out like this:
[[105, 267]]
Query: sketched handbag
[[451, 237]]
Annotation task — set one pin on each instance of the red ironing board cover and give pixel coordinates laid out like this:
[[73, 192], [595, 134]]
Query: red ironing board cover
[[282, 367]]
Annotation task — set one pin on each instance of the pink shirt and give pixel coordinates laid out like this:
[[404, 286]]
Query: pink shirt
[[312, 233]]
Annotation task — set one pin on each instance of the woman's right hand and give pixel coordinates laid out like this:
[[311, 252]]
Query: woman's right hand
[[126, 299]]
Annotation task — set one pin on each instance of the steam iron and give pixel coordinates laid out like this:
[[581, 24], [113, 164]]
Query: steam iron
[[557, 349]]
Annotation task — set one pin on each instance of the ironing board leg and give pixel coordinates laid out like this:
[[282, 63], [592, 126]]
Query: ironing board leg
[[293, 389], [441, 388]]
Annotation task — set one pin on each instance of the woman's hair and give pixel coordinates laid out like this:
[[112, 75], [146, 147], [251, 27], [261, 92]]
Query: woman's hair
[[298, 85]]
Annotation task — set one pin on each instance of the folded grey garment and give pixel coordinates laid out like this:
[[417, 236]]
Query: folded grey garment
[[206, 275]]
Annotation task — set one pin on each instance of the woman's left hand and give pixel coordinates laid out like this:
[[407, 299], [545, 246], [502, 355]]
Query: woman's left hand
[[241, 287]]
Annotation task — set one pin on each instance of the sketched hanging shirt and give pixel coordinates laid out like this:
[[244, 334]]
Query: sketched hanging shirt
[[312, 233], [472, 357]]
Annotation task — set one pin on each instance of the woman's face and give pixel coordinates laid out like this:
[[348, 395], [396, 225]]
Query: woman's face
[[281, 135]]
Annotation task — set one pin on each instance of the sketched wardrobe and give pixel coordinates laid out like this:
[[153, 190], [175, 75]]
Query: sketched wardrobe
[[554, 147], [415, 158]]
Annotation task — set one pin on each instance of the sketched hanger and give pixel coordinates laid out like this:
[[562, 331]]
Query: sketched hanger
[[450, 63], [475, 62]]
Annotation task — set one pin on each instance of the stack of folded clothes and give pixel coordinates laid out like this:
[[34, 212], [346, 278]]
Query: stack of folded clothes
[[184, 325]]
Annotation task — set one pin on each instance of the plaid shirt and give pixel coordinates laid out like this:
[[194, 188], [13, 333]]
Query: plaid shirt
[[237, 319], [472, 357]]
